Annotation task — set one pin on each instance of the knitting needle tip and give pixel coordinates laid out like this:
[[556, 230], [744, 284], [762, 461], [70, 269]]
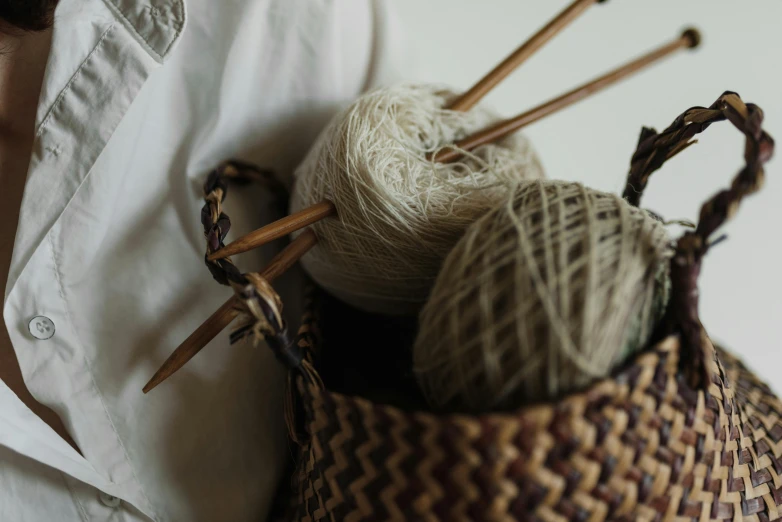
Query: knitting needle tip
[[219, 320], [280, 228], [195, 342]]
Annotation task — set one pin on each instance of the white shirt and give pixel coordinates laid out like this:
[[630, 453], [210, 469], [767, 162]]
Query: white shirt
[[140, 100]]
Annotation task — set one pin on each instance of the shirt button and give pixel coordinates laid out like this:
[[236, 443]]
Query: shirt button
[[41, 327], [108, 501]]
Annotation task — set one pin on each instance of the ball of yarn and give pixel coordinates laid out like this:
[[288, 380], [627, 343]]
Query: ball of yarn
[[399, 214], [543, 295]]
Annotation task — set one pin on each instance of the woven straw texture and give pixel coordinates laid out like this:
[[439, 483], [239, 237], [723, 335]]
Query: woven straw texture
[[682, 432], [640, 446]]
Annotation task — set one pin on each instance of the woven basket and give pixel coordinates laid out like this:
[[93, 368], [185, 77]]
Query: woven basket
[[682, 432], [641, 446]]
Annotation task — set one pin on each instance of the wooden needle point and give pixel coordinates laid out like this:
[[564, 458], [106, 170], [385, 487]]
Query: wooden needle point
[[688, 39], [281, 227], [473, 95], [219, 320], [195, 342]]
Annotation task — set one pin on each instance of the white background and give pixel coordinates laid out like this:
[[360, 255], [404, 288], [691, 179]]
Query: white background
[[457, 41]]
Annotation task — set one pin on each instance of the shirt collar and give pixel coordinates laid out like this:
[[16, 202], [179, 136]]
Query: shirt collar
[[155, 24], [102, 53]]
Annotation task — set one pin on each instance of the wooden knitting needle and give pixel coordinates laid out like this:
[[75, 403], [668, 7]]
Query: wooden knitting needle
[[226, 313], [281, 227], [688, 39], [464, 102], [468, 100]]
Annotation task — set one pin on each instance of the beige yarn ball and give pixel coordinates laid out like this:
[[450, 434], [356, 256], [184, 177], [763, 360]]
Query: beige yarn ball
[[542, 296], [400, 214]]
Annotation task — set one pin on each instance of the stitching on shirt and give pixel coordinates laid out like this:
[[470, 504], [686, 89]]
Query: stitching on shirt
[[61, 290], [67, 87], [76, 499], [176, 25]]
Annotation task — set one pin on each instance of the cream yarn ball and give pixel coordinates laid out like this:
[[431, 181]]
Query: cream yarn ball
[[542, 296], [399, 214]]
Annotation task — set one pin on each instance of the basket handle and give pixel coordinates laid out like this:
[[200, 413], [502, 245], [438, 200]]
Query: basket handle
[[654, 149]]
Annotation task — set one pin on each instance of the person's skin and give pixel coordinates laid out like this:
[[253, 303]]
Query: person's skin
[[23, 57]]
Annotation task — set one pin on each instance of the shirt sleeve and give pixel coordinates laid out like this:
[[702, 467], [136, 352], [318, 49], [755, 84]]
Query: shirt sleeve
[[330, 51], [373, 46], [391, 60]]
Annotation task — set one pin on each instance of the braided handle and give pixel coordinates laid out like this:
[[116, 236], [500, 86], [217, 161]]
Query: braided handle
[[653, 151], [259, 304], [216, 223]]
